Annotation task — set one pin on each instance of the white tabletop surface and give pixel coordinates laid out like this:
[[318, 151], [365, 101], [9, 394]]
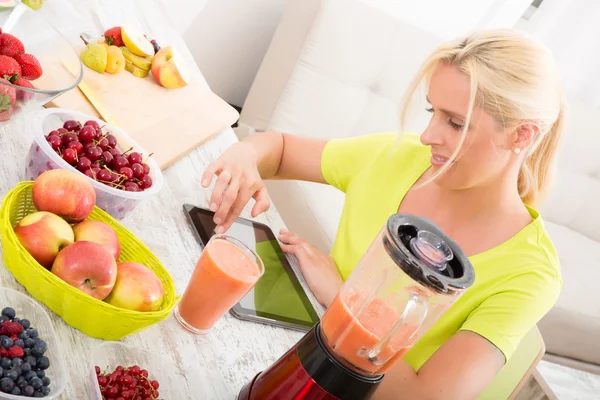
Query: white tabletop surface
[[215, 366]]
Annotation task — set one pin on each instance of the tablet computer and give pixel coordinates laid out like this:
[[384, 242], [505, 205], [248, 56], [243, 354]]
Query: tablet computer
[[277, 298]]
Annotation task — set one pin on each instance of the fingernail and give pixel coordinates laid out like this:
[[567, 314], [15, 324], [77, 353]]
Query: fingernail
[[283, 230], [218, 220], [205, 183], [219, 229], [213, 207]]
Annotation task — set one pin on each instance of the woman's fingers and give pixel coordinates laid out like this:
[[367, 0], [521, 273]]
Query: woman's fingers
[[289, 238], [262, 202], [236, 209], [212, 169], [223, 181], [229, 196]]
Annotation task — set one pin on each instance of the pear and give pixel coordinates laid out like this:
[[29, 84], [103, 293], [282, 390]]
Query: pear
[[95, 57]]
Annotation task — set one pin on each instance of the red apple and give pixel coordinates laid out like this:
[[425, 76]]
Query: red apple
[[65, 193], [88, 267], [137, 288], [98, 232], [43, 235]]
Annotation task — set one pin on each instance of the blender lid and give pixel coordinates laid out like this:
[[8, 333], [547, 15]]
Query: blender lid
[[428, 255]]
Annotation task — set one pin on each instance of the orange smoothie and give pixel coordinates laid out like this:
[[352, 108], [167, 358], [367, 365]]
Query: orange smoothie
[[352, 338], [223, 275]]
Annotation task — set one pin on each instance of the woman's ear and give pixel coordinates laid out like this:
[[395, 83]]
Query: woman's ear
[[524, 135]]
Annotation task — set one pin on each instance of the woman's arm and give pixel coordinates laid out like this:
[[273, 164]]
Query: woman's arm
[[460, 370]]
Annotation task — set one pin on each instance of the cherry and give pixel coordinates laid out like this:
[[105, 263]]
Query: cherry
[[132, 187], [57, 133], [90, 174], [126, 171], [98, 134], [146, 183], [94, 153], [77, 146], [93, 124], [61, 130], [70, 156], [115, 152], [87, 134], [72, 125], [114, 178], [138, 170], [68, 138], [104, 175], [135, 157], [108, 158], [112, 141], [146, 168], [55, 141], [84, 164], [120, 161], [103, 144]]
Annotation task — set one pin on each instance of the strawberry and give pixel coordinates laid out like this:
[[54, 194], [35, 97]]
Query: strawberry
[[22, 94], [113, 36], [11, 328], [8, 66], [10, 45], [31, 68], [8, 97], [16, 352]]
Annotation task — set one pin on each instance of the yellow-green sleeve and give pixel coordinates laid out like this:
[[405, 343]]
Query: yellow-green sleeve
[[507, 315], [343, 159]]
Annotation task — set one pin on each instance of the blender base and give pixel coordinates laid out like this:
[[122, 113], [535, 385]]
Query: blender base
[[308, 371]]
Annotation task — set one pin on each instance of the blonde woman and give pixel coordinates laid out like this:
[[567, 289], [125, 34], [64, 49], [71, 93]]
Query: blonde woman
[[478, 170]]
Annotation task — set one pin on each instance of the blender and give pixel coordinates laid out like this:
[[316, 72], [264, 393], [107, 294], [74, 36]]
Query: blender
[[410, 275]]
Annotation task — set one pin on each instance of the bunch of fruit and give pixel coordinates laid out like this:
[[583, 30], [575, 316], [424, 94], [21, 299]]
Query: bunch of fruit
[[127, 384], [124, 47], [84, 256], [17, 68], [95, 153], [22, 360]]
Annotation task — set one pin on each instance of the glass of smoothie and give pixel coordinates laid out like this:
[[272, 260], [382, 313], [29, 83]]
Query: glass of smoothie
[[226, 271]]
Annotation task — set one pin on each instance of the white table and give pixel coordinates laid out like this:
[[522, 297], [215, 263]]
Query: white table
[[217, 365]]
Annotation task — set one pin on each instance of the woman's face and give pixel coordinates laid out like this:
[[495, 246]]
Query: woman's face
[[486, 152]]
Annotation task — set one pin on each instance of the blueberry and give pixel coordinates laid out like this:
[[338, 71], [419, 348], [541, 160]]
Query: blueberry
[[25, 367], [20, 343], [36, 383], [45, 390], [25, 323], [33, 333], [40, 373], [27, 352], [46, 381], [30, 375], [9, 313], [5, 363], [28, 390], [16, 319], [6, 385], [2, 337], [7, 343], [29, 343], [38, 394], [1, 371], [12, 374], [24, 335], [31, 360], [16, 391], [17, 362], [38, 350], [43, 362], [3, 318], [22, 383]]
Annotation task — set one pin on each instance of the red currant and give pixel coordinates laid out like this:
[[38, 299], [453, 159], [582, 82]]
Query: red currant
[[98, 370]]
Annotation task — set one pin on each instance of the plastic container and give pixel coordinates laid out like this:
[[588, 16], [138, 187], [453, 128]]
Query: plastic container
[[42, 157], [109, 355], [27, 308], [75, 307]]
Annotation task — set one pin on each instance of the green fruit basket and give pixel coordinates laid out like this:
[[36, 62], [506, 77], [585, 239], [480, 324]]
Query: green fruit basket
[[91, 316]]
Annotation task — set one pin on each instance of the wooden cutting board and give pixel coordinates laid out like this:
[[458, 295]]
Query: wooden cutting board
[[167, 122]]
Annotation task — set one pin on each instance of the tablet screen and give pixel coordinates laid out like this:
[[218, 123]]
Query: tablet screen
[[277, 295]]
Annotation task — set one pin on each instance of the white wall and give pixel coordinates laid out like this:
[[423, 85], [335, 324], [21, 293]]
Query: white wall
[[229, 38]]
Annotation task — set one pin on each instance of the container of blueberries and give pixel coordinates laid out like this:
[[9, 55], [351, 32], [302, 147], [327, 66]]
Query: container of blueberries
[[31, 358]]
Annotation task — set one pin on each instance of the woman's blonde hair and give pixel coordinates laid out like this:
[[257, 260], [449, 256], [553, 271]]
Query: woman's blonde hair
[[514, 79]]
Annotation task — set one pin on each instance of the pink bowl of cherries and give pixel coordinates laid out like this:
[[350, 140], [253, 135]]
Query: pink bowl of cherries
[[122, 173]]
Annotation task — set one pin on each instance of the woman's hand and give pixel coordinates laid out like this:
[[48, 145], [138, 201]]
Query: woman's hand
[[238, 180], [318, 269]]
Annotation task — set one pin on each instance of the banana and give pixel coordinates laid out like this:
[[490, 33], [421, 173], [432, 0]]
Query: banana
[[136, 71], [143, 63]]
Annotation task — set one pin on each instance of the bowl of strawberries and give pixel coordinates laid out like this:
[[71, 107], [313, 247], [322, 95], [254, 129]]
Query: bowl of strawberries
[[37, 63]]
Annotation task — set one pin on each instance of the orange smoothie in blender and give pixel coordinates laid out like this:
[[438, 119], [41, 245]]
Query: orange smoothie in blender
[[352, 338], [225, 272]]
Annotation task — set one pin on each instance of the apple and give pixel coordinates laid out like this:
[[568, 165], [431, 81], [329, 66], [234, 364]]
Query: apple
[[88, 267], [98, 232], [64, 193], [137, 288], [43, 235], [168, 68]]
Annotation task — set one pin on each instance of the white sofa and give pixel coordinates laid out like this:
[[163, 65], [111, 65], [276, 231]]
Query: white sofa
[[338, 68]]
